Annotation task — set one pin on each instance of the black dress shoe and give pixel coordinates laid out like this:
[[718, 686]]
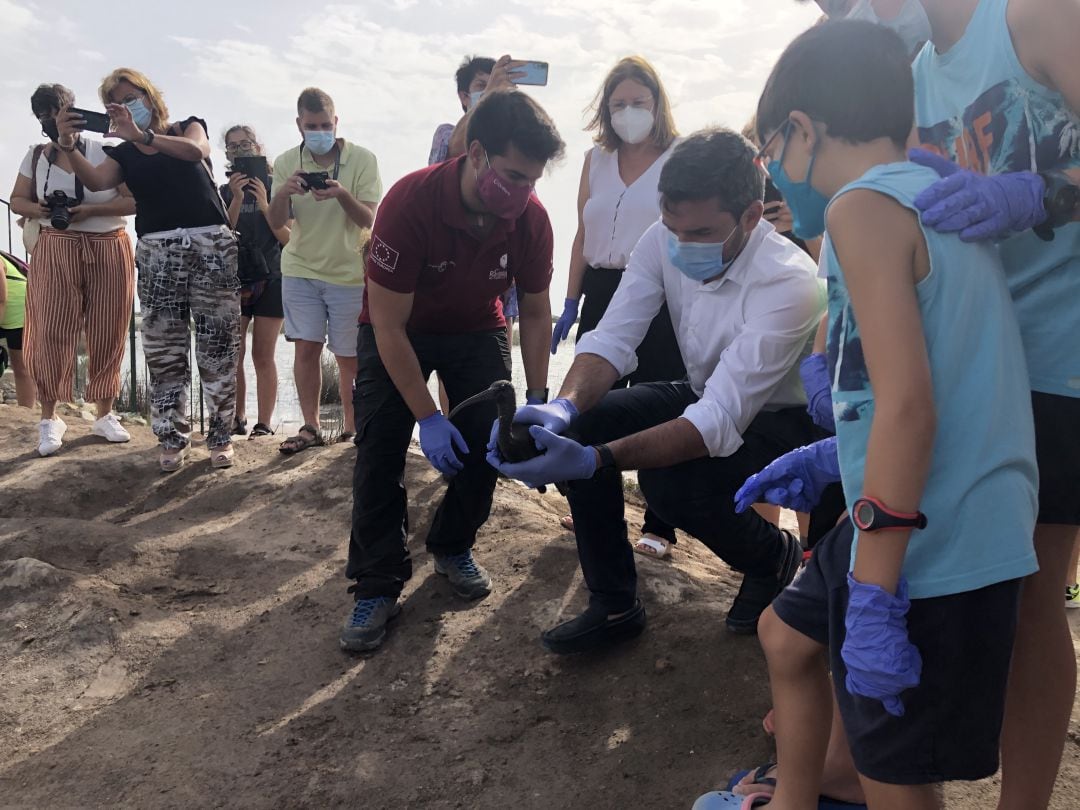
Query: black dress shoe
[[593, 630], [756, 593]]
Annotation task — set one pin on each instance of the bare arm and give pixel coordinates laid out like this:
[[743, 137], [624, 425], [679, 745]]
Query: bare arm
[[589, 378], [883, 255], [106, 175], [535, 318], [122, 206], [662, 446], [22, 204], [821, 335], [577, 249], [499, 80], [192, 145], [360, 212], [390, 313], [279, 210]]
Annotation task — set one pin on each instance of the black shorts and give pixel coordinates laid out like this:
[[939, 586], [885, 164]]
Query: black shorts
[[1057, 448], [13, 337], [262, 299], [952, 720]]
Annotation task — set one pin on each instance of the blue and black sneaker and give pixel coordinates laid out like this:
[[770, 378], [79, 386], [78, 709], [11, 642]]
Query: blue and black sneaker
[[467, 577], [365, 627]]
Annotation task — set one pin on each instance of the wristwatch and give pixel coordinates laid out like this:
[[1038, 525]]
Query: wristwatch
[[537, 393], [607, 458], [871, 515], [148, 137], [1061, 201]]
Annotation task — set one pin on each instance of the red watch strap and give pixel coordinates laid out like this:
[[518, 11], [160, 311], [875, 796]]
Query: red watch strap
[[892, 512]]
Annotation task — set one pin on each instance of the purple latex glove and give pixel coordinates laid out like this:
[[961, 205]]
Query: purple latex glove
[[560, 459], [881, 661], [564, 324], [556, 415], [438, 438], [980, 207], [814, 372], [794, 480]]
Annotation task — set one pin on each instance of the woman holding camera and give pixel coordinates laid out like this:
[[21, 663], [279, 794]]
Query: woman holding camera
[[617, 202], [81, 276], [259, 265], [186, 256]]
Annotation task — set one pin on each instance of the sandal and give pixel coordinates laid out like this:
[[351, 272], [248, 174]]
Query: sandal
[[567, 522], [260, 429], [239, 427], [294, 444], [761, 778], [656, 547], [221, 458], [172, 459], [347, 436]]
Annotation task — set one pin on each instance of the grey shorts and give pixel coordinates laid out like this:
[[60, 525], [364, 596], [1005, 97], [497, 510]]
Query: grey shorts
[[322, 312]]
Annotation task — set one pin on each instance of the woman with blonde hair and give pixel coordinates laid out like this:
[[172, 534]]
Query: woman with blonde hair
[[82, 272], [186, 257], [247, 199], [617, 201]]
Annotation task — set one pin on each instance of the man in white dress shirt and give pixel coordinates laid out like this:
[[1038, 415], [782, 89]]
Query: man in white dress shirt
[[744, 302]]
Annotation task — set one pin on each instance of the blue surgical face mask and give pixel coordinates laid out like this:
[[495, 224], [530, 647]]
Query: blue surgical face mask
[[807, 204], [319, 141], [474, 98], [911, 24], [699, 261], [140, 113]]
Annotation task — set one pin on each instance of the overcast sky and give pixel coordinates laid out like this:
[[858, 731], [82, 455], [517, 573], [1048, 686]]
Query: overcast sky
[[389, 66]]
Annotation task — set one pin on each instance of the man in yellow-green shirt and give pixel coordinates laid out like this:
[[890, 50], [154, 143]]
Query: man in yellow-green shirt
[[329, 200]]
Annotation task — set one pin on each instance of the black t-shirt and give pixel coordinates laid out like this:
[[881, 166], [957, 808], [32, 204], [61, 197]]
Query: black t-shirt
[[169, 193], [254, 230]]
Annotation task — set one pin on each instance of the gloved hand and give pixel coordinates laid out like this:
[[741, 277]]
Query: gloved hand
[[560, 459], [556, 415], [814, 372], [794, 480], [565, 322], [978, 206], [438, 438], [881, 661]]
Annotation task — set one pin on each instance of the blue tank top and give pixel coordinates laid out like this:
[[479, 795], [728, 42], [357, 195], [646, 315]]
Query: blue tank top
[[977, 105], [980, 497]]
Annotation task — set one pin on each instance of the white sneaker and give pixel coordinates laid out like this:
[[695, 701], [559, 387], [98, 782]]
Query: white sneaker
[[52, 436], [109, 427]]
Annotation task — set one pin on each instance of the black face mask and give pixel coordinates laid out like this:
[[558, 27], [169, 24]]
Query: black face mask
[[49, 130]]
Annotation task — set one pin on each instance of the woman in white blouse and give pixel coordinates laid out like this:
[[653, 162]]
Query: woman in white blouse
[[617, 201], [82, 275]]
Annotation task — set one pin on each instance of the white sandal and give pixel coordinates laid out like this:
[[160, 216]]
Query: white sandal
[[649, 547], [172, 460]]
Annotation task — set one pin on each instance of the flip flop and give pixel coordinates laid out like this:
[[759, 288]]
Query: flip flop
[[657, 549], [726, 800], [824, 802]]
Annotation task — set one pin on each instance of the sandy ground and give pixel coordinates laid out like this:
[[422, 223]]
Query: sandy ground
[[171, 641]]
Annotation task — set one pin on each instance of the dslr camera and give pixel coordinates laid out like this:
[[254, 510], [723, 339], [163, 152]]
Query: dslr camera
[[60, 205]]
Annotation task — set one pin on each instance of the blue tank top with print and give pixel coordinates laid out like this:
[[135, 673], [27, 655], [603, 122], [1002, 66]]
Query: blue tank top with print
[[980, 497], [977, 105]]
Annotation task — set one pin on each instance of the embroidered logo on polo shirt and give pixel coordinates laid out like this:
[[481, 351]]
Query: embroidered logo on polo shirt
[[502, 261], [384, 255], [442, 266]]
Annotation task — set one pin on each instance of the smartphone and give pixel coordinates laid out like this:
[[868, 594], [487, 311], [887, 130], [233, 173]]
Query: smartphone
[[95, 121], [315, 179], [534, 73], [252, 166]]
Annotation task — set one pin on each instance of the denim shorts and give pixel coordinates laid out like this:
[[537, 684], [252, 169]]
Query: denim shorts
[[952, 720], [322, 312]]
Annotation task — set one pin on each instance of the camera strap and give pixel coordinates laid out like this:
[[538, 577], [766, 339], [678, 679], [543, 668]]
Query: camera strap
[[50, 158], [337, 160]]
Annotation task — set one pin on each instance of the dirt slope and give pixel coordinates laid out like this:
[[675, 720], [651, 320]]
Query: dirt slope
[[172, 642]]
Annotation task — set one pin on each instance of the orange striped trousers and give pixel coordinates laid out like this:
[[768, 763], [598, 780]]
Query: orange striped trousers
[[78, 282]]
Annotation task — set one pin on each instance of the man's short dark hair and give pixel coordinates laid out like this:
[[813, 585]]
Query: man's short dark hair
[[714, 163], [851, 75], [511, 117], [468, 69], [314, 100], [49, 98]]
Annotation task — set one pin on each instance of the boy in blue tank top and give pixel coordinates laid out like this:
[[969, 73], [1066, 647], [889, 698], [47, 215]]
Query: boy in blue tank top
[[935, 443]]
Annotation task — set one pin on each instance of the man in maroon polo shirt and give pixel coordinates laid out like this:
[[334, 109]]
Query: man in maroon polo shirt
[[447, 242]]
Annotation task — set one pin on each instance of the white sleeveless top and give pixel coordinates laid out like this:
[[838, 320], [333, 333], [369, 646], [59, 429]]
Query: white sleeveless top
[[616, 215]]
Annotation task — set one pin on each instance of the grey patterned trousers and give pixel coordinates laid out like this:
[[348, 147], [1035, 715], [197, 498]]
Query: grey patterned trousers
[[185, 277]]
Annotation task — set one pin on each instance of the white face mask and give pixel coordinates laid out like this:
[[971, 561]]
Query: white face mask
[[911, 24], [632, 124]]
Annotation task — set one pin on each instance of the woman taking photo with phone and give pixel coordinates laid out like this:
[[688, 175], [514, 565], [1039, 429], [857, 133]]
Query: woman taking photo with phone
[[617, 201], [82, 272], [259, 268], [186, 256]]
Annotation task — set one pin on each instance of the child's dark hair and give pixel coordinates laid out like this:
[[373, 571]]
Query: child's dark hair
[[851, 75], [713, 163], [511, 117], [468, 69]]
